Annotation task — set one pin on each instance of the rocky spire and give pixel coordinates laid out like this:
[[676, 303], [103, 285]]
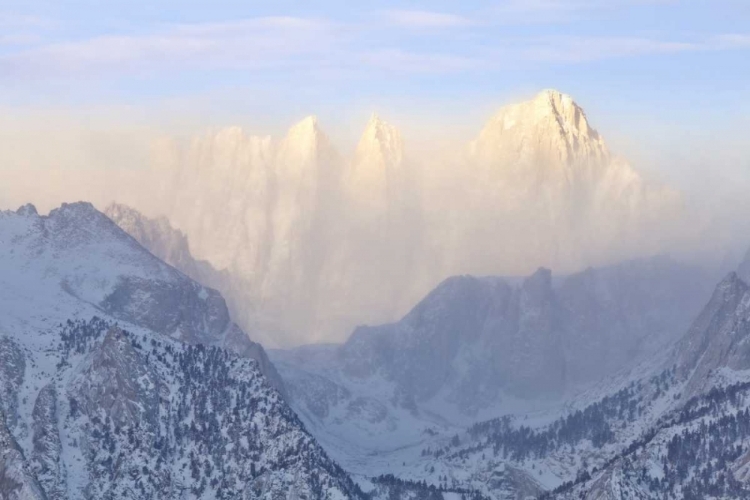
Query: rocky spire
[[373, 179]]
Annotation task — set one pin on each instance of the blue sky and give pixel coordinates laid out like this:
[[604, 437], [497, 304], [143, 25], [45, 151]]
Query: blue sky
[[639, 67]]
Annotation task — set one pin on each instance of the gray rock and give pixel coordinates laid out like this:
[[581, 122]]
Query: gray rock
[[12, 369], [17, 481], [477, 337], [718, 338], [46, 461]]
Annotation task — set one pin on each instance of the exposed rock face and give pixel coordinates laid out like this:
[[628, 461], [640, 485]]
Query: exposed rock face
[[231, 169], [12, 370], [116, 380], [170, 245], [161, 239], [718, 337], [17, 482], [46, 460], [475, 336], [319, 245]]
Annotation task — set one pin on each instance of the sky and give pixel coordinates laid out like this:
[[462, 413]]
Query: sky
[[653, 75]]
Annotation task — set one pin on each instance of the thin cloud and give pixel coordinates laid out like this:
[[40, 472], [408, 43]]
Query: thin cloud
[[562, 11], [8, 20], [569, 49], [575, 50], [402, 61], [19, 39], [426, 19], [732, 41], [287, 44], [248, 44], [23, 30]]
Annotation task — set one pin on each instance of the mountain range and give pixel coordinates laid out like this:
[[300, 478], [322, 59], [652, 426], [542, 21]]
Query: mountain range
[[123, 372], [598, 384], [319, 242], [415, 400]]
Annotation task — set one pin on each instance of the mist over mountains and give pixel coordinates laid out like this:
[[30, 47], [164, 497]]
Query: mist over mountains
[[123, 378], [319, 243], [127, 374]]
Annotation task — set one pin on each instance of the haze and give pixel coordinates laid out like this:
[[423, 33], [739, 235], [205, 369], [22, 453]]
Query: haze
[[157, 109]]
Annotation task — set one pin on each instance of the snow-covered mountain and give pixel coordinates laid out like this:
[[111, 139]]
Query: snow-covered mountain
[[320, 242], [546, 177], [671, 423], [550, 130], [477, 348], [120, 377]]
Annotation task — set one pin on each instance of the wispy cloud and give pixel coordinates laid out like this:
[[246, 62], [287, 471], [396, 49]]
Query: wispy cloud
[[426, 19], [570, 49], [402, 61], [19, 39], [327, 48], [562, 11], [247, 43], [732, 41], [23, 30], [10, 20]]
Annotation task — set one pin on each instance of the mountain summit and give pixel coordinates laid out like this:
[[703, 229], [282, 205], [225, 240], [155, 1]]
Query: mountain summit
[[549, 129]]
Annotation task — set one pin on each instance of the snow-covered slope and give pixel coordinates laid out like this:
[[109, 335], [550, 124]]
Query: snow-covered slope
[[477, 348], [122, 378], [675, 424], [700, 447]]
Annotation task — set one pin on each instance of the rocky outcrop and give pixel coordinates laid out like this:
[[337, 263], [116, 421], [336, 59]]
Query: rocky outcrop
[[12, 370], [46, 459], [17, 481]]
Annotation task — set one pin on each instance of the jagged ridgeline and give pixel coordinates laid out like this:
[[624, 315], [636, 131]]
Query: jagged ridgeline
[[323, 243], [137, 416]]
